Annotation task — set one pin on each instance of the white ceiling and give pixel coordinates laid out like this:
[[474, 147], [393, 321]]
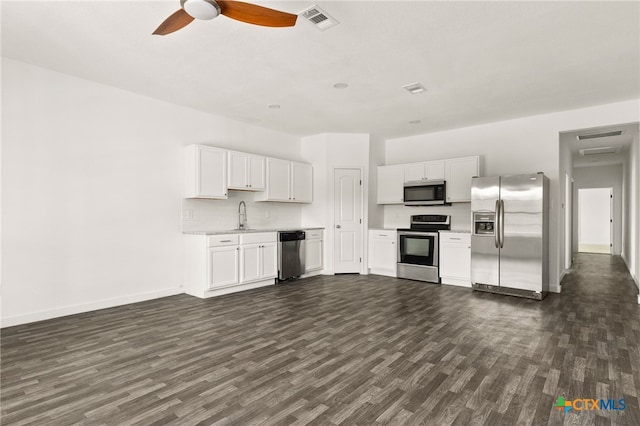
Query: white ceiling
[[480, 61]]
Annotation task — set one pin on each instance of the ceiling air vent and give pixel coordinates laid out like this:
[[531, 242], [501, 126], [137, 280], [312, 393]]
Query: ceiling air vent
[[319, 18], [600, 135], [414, 88], [599, 151]]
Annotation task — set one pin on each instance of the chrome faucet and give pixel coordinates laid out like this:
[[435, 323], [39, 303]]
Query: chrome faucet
[[242, 215]]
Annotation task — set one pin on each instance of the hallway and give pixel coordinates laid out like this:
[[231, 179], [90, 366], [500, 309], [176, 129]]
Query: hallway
[[600, 325]]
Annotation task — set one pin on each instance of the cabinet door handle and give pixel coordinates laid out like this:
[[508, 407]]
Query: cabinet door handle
[[382, 235], [455, 238], [225, 241], [338, 226]]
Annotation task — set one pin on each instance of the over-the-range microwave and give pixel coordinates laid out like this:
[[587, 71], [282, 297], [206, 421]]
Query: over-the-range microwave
[[425, 193]]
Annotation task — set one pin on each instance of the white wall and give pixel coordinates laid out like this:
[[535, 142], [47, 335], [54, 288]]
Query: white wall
[[92, 186], [524, 145], [565, 195], [594, 214], [326, 152], [376, 158], [600, 177], [631, 214]]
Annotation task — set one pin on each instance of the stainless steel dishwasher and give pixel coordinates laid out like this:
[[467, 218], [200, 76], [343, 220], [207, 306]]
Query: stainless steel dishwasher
[[290, 254]]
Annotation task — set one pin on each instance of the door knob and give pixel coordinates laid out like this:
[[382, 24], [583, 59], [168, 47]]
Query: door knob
[[338, 226]]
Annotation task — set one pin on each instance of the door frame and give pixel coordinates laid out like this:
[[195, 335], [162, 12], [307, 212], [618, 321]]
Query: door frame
[[568, 219], [364, 200]]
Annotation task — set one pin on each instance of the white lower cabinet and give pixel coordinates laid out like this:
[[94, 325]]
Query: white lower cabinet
[[258, 260], [313, 251], [383, 252], [223, 269], [221, 264], [455, 258]]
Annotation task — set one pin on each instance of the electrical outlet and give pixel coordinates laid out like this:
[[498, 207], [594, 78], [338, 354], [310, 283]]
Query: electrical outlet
[[267, 213], [188, 214]]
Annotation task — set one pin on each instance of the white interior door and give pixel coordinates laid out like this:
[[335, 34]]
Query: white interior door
[[594, 220], [348, 221]]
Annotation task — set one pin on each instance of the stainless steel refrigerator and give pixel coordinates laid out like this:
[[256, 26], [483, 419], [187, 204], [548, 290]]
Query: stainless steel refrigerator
[[509, 239]]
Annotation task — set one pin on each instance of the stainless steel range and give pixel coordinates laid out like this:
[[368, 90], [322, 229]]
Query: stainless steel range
[[418, 247]]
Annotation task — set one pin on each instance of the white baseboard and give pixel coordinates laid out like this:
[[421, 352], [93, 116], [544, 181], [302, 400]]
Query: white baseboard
[[205, 294], [456, 281], [312, 273], [86, 307], [385, 272]]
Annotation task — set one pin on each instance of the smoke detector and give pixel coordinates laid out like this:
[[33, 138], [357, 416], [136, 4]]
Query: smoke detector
[[319, 18]]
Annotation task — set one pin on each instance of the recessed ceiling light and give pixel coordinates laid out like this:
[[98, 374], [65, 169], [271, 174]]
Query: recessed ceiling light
[[414, 88], [340, 85], [415, 122], [274, 106]]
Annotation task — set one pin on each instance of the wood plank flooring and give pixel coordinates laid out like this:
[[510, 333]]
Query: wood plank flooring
[[343, 350]]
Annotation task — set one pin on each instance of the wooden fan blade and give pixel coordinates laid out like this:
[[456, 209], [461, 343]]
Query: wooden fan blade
[[257, 15], [177, 20]]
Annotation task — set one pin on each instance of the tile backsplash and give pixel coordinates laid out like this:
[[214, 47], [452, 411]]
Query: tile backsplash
[[399, 216], [212, 215]]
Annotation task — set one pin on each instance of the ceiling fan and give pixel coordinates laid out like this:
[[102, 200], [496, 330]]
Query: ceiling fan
[[240, 11]]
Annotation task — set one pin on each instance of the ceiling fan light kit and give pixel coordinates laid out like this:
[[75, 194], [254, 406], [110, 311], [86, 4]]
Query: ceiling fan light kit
[[201, 9], [238, 10]]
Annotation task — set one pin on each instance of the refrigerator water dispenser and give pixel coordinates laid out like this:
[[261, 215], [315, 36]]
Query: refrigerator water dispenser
[[483, 223]]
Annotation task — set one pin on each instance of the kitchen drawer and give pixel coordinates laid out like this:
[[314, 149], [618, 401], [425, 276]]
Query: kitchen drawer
[[222, 240], [383, 234], [313, 234], [455, 237], [259, 237]]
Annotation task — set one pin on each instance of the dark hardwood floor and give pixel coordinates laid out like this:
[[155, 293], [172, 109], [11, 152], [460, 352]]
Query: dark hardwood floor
[[352, 350]]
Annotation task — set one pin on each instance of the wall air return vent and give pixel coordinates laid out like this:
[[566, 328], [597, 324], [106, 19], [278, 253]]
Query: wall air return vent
[[319, 18], [599, 151], [600, 135]]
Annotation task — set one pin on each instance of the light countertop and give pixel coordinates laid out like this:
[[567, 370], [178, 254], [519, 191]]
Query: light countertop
[[245, 231]]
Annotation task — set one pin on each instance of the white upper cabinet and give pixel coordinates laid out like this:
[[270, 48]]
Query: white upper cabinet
[[434, 170], [206, 172], [257, 176], [390, 184], [288, 181], [278, 177], [424, 171], [301, 182], [458, 174], [246, 171]]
